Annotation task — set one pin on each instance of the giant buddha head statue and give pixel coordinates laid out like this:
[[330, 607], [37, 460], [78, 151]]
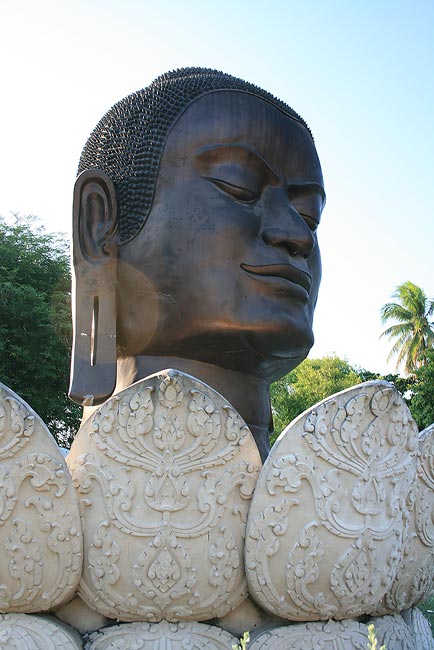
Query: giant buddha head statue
[[195, 239]]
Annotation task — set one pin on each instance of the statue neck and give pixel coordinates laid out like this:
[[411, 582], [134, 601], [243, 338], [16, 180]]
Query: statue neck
[[249, 395]]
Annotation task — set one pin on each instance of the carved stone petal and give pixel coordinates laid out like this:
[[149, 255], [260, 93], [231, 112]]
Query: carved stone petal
[[27, 632], [414, 581], [393, 632], [328, 521], [148, 636], [333, 635], [164, 472], [420, 629], [40, 531]]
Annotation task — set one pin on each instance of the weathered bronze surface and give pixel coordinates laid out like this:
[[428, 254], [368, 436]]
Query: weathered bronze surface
[[218, 275]]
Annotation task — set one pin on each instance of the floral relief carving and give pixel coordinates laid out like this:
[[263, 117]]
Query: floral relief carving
[[302, 570], [424, 506], [333, 635], [170, 636], [26, 632], [393, 633], [414, 580], [17, 424], [164, 473], [332, 505], [420, 629], [39, 520]]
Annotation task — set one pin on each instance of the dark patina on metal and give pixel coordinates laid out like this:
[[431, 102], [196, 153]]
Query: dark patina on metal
[[195, 244]]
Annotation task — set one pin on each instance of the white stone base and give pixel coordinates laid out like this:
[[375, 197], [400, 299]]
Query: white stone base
[[149, 636]]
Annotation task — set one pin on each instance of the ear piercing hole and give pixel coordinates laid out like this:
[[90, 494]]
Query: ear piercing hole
[[94, 331]]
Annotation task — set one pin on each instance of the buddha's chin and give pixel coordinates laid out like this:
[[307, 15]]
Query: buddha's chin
[[268, 353], [280, 352], [291, 337]]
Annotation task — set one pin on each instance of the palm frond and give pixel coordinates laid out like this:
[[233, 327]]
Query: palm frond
[[395, 311], [412, 330]]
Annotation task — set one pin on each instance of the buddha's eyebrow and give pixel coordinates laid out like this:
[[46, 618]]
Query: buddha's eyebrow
[[302, 189], [217, 152]]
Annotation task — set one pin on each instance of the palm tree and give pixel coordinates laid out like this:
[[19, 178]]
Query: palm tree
[[413, 330]]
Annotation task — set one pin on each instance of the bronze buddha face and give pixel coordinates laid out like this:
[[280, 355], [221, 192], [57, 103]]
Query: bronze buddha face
[[195, 242], [226, 269]]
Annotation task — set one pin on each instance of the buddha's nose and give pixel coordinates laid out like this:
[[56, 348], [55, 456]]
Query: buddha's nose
[[283, 226]]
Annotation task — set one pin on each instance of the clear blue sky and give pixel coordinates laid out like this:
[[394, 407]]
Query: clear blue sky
[[361, 73]]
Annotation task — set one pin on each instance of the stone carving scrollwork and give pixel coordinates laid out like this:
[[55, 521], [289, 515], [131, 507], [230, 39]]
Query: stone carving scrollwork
[[414, 579], [393, 633], [330, 514], [40, 530], [333, 635], [164, 472], [26, 632], [419, 628], [170, 636]]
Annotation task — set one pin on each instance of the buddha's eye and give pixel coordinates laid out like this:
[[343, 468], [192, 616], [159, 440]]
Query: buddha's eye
[[310, 221], [239, 193], [309, 207]]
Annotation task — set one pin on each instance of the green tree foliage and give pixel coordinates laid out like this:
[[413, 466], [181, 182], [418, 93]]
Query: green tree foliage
[[403, 385], [413, 330], [309, 383], [35, 322], [422, 401]]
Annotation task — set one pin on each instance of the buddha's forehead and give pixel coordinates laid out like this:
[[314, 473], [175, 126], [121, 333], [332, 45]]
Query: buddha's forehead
[[230, 117]]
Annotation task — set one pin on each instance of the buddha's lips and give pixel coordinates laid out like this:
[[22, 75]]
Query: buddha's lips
[[285, 271]]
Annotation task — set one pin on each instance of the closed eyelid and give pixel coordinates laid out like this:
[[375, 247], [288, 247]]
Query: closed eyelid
[[309, 204], [235, 175], [236, 191], [300, 190], [311, 221], [234, 169]]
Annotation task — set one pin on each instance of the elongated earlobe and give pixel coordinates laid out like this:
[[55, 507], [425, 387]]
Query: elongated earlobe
[[93, 365]]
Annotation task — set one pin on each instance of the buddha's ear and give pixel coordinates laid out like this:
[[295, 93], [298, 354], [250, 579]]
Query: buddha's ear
[[94, 255]]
